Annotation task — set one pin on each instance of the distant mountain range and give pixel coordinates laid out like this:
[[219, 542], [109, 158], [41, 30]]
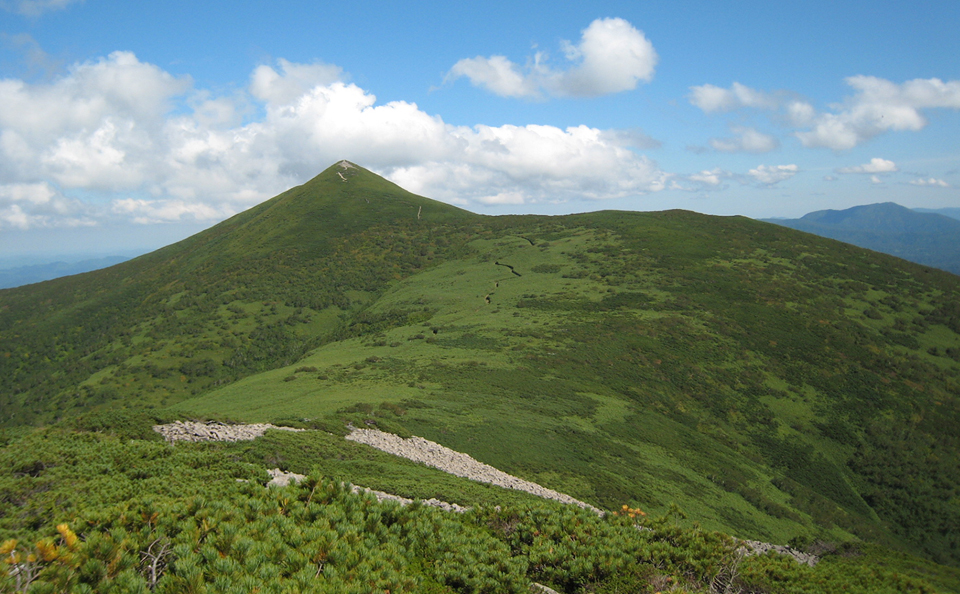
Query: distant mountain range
[[953, 213], [25, 275], [928, 237]]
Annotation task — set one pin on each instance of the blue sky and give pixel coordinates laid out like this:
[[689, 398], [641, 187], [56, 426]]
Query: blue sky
[[127, 125]]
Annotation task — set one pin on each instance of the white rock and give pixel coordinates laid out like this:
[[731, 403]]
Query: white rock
[[456, 463], [194, 431]]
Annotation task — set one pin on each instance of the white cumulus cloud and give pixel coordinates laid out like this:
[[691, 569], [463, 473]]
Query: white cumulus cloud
[[799, 113], [126, 134], [293, 80], [26, 205], [541, 163], [496, 74], [612, 56], [878, 106], [96, 128], [876, 165], [710, 177]]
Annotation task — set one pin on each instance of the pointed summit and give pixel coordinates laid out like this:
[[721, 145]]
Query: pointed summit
[[349, 197], [341, 200], [346, 166]]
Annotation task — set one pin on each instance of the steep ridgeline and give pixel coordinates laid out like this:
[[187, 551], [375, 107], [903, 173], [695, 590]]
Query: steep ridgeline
[[776, 385]]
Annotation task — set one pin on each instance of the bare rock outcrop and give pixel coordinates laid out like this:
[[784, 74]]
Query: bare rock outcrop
[[420, 450], [279, 478], [755, 547], [196, 431], [456, 463], [381, 496]]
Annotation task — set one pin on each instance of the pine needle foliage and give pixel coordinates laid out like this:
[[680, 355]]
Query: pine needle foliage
[[776, 385], [211, 533]]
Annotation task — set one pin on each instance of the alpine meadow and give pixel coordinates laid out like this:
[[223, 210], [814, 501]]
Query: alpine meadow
[[701, 379]]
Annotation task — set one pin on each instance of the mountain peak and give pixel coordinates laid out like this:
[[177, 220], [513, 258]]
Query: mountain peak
[[343, 169], [365, 197], [880, 217], [342, 199], [925, 238], [859, 216]]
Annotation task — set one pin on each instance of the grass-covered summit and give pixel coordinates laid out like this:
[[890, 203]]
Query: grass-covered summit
[[776, 385], [246, 295]]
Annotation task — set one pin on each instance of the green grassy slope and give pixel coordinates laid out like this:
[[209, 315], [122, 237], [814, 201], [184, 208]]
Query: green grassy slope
[[776, 391], [246, 295], [775, 384]]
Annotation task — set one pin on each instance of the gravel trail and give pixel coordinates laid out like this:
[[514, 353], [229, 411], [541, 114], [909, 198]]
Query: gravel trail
[[280, 478], [456, 463], [420, 450], [194, 431]]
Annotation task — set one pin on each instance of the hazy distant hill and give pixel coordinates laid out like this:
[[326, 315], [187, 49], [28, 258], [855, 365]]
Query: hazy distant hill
[[928, 238], [953, 213], [773, 383], [24, 275]]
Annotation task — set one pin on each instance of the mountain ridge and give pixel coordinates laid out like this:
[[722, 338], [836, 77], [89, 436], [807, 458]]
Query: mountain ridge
[[926, 238], [775, 384]]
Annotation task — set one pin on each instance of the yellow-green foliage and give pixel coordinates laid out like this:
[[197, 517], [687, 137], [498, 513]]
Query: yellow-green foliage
[[319, 537], [208, 532]]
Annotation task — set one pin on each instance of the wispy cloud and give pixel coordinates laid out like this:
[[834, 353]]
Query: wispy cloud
[[715, 179], [930, 182], [710, 177], [35, 59], [747, 140], [713, 99], [876, 165], [36, 8], [146, 212], [877, 106], [769, 175]]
